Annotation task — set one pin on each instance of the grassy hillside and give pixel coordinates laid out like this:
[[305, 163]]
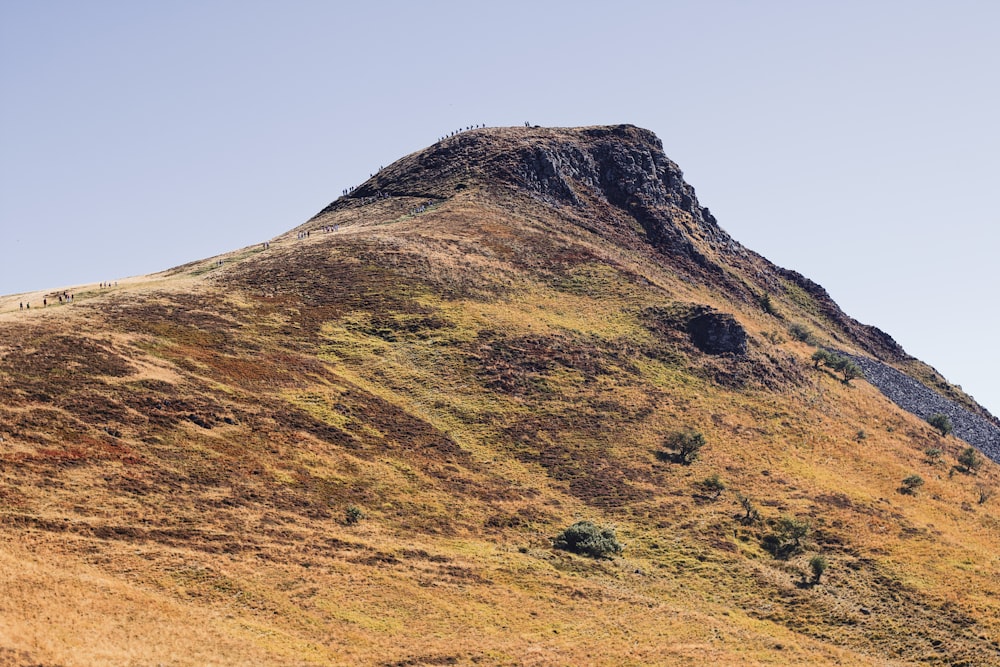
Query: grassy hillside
[[357, 447]]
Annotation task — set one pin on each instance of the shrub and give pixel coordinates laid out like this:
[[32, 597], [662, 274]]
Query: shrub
[[713, 486], [750, 513], [792, 529], [970, 460], [587, 539], [911, 484], [849, 369], [844, 365], [838, 363], [765, 304], [801, 333], [983, 493], [353, 514], [818, 566], [933, 454], [941, 422], [685, 445], [821, 357], [787, 537]]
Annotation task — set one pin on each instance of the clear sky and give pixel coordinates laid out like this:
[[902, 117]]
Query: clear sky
[[857, 142]]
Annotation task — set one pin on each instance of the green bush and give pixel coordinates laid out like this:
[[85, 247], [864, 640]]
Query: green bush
[[837, 362], [911, 484], [713, 486], [587, 539], [684, 446], [821, 357], [818, 566], [941, 422], [970, 460], [353, 514], [787, 537], [849, 369], [933, 454], [801, 333], [792, 529]]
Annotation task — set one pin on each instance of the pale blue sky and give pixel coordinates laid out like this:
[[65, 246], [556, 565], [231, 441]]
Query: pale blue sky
[[855, 142]]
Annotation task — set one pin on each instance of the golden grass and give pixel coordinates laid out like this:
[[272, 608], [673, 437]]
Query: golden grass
[[491, 381]]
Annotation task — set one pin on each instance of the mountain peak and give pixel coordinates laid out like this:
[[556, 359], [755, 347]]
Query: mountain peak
[[623, 166]]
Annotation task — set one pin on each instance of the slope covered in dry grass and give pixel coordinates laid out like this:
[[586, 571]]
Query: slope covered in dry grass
[[494, 343]]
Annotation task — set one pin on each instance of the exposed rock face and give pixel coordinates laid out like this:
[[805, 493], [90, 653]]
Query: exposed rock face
[[717, 333], [622, 165], [625, 166]]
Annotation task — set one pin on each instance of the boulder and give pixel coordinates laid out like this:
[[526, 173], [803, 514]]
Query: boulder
[[713, 332]]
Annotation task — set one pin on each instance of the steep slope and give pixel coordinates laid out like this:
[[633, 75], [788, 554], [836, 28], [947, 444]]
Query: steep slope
[[356, 445]]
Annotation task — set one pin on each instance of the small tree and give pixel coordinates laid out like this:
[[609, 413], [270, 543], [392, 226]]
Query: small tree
[[713, 486], [821, 357], [818, 566], [587, 539], [970, 460], [941, 422], [353, 514], [686, 445], [793, 530], [839, 363], [911, 484], [787, 537], [849, 369], [750, 513], [933, 454]]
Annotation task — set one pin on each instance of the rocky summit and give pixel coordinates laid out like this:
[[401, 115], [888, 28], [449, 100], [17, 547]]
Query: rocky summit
[[516, 399]]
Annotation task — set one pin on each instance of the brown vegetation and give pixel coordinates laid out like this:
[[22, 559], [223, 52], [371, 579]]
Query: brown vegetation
[[178, 457]]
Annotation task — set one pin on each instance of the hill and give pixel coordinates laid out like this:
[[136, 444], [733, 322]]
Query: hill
[[357, 443]]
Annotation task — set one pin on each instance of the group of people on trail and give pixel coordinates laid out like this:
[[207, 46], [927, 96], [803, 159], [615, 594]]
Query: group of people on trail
[[65, 297], [306, 234], [460, 130], [346, 191]]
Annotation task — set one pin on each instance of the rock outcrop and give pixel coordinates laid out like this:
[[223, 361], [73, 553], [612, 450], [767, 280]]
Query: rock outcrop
[[717, 333]]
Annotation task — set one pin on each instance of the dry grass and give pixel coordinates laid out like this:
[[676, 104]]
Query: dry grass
[[178, 456]]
